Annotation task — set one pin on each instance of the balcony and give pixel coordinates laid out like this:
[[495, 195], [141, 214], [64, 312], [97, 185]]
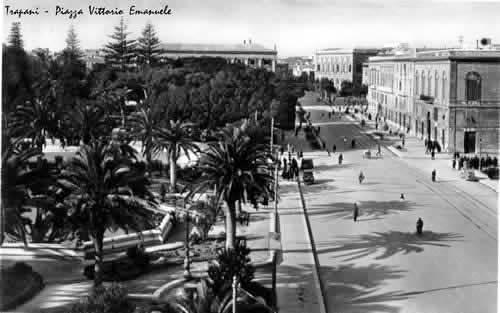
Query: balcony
[[427, 99]]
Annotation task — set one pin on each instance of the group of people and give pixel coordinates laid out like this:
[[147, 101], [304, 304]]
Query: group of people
[[473, 162], [290, 165], [431, 147]]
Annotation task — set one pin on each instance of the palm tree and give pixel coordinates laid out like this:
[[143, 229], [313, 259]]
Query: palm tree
[[88, 120], [143, 124], [238, 167], [17, 181], [175, 137], [35, 120], [107, 191]]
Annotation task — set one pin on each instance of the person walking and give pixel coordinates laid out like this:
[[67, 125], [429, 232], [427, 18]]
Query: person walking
[[433, 154], [379, 152], [433, 175], [454, 163], [341, 158], [334, 148], [420, 226], [353, 143], [361, 177], [356, 211]]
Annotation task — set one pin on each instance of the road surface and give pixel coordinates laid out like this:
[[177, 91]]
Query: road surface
[[378, 264]]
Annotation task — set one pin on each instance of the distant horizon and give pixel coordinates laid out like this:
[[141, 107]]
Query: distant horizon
[[296, 27]]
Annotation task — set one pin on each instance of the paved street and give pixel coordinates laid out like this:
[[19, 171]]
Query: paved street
[[378, 264]]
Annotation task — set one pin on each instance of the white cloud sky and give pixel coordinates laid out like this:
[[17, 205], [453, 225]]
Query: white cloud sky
[[297, 27]]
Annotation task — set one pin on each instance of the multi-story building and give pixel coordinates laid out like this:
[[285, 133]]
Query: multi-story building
[[249, 53], [341, 65], [448, 96]]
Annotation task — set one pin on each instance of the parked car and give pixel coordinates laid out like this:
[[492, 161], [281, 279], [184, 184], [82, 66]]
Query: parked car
[[308, 177], [307, 167]]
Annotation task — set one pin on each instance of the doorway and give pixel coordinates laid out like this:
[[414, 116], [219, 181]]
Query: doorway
[[470, 142], [442, 138]]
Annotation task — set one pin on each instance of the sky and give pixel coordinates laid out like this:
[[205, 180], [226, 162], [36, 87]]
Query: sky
[[296, 27]]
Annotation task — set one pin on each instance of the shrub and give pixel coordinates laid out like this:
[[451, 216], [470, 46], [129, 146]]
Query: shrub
[[105, 300], [138, 255], [230, 262], [19, 284]]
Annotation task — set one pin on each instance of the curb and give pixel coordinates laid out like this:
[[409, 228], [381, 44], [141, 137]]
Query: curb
[[316, 273]]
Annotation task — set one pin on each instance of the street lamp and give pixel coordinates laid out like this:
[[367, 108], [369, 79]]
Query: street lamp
[[187, 260]]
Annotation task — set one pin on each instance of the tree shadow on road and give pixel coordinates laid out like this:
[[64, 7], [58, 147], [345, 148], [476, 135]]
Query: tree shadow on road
[[385, 244], [348, 288], [327, 167], [367, 209]]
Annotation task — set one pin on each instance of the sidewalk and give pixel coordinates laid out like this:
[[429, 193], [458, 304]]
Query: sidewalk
[[414, 151], [296, 286]]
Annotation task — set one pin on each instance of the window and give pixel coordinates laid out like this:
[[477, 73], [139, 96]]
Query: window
[[429, 83], [472, 86], [443, 87], [436, 82], [422, 89], [417, 84]]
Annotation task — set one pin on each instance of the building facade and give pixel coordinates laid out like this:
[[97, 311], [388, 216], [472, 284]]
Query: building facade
[[341, 65], [448, 96], [250, 54]]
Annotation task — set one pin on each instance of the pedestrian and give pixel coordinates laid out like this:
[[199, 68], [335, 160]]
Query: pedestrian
[[353, 143], [402, 197], [340, 158], [356, 211], [434, 175], [454, 163], [420, 226], [433, 154], [361, 177], [334, 148], [301, 154], [330, 115], [379, 152], [426, 146], [403, 141]]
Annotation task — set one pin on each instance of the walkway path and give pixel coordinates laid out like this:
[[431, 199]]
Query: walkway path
[[297, 289]]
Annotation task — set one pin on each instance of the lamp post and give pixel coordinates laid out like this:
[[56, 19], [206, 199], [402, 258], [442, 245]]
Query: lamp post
[[187, 261]]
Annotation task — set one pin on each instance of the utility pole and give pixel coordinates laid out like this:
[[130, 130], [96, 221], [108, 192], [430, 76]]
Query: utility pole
[[235, 287]]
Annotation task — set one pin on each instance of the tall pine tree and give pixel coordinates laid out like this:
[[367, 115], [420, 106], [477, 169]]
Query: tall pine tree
[[121, 51], [148, 49], [15, 38], [72, 73], [72, 43]]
